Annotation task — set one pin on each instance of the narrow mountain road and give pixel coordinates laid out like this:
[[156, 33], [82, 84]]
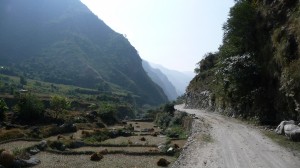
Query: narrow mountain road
[[231, 144]]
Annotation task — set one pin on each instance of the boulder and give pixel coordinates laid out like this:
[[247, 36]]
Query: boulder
[[171, 151], [6, 158], [33, 151], [143, 139], [96, 157], [163, 162], [280, 128], [27, 163], [42, 145], [292, 131]]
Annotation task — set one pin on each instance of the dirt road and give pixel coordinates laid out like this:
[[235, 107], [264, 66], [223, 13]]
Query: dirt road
[[231, 144]]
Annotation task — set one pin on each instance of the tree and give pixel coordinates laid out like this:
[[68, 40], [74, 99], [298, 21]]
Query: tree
[[169, 108], [239, 30], [30, 108], [3, 108], [207, 63], [59, 105]]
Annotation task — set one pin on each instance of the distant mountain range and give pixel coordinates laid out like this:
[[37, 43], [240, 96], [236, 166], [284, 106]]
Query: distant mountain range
[[62, 41], [179, 79], [162, 80]]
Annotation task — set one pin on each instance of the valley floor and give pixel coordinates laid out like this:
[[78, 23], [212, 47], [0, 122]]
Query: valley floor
[[220, 142]]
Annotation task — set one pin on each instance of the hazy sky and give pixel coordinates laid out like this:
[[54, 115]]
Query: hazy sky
[[173, 33]]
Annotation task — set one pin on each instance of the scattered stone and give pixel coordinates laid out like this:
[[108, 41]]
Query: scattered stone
[[103, 152], [34, 151], [6, 158], [42, 145], [171, 150], [163, 162], [161, 147], [27, 163], [96, 157]]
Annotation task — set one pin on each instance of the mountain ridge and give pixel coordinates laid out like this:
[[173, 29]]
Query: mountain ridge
[[161, 79], [179, 79], [64, 42]]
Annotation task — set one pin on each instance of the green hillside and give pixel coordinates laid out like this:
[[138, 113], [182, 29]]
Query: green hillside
[[255, 74], [63, 42]]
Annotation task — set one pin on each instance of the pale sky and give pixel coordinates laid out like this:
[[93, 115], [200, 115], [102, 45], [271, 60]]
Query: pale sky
[[172, 33]]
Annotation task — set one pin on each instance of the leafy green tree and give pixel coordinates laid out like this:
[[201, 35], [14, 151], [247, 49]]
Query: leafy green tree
[[59, 105], [239, 30], [3, 108], [207, 63], [30, 108]]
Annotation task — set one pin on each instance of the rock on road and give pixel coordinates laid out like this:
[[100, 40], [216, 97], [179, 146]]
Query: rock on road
[[234, 145]]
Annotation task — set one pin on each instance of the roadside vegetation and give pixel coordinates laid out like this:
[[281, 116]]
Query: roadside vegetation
[[253, 75], [283, 141]]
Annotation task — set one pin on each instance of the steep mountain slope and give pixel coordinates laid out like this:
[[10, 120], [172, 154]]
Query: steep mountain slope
[[162, 80], [63, 42], [255, 74], [179, 79]]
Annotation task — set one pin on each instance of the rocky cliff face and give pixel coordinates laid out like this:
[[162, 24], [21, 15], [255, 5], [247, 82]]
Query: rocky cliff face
[[255, 73]]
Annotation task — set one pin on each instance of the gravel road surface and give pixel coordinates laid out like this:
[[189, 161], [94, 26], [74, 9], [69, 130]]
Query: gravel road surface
[[232, 145]]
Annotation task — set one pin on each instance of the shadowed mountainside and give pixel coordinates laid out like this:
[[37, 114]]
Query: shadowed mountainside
[[64, 42]]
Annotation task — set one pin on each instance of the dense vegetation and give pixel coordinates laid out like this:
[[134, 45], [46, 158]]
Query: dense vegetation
[[255, 74], [63, 42]]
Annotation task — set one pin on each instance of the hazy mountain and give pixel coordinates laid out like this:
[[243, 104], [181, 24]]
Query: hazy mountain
[[162, 80], [62, 41], [179, 79]]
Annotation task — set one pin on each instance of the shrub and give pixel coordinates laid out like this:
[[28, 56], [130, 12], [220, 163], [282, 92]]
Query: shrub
[[107, 113], [3, 108], [59, 105], [163, 119], [30, 108]]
